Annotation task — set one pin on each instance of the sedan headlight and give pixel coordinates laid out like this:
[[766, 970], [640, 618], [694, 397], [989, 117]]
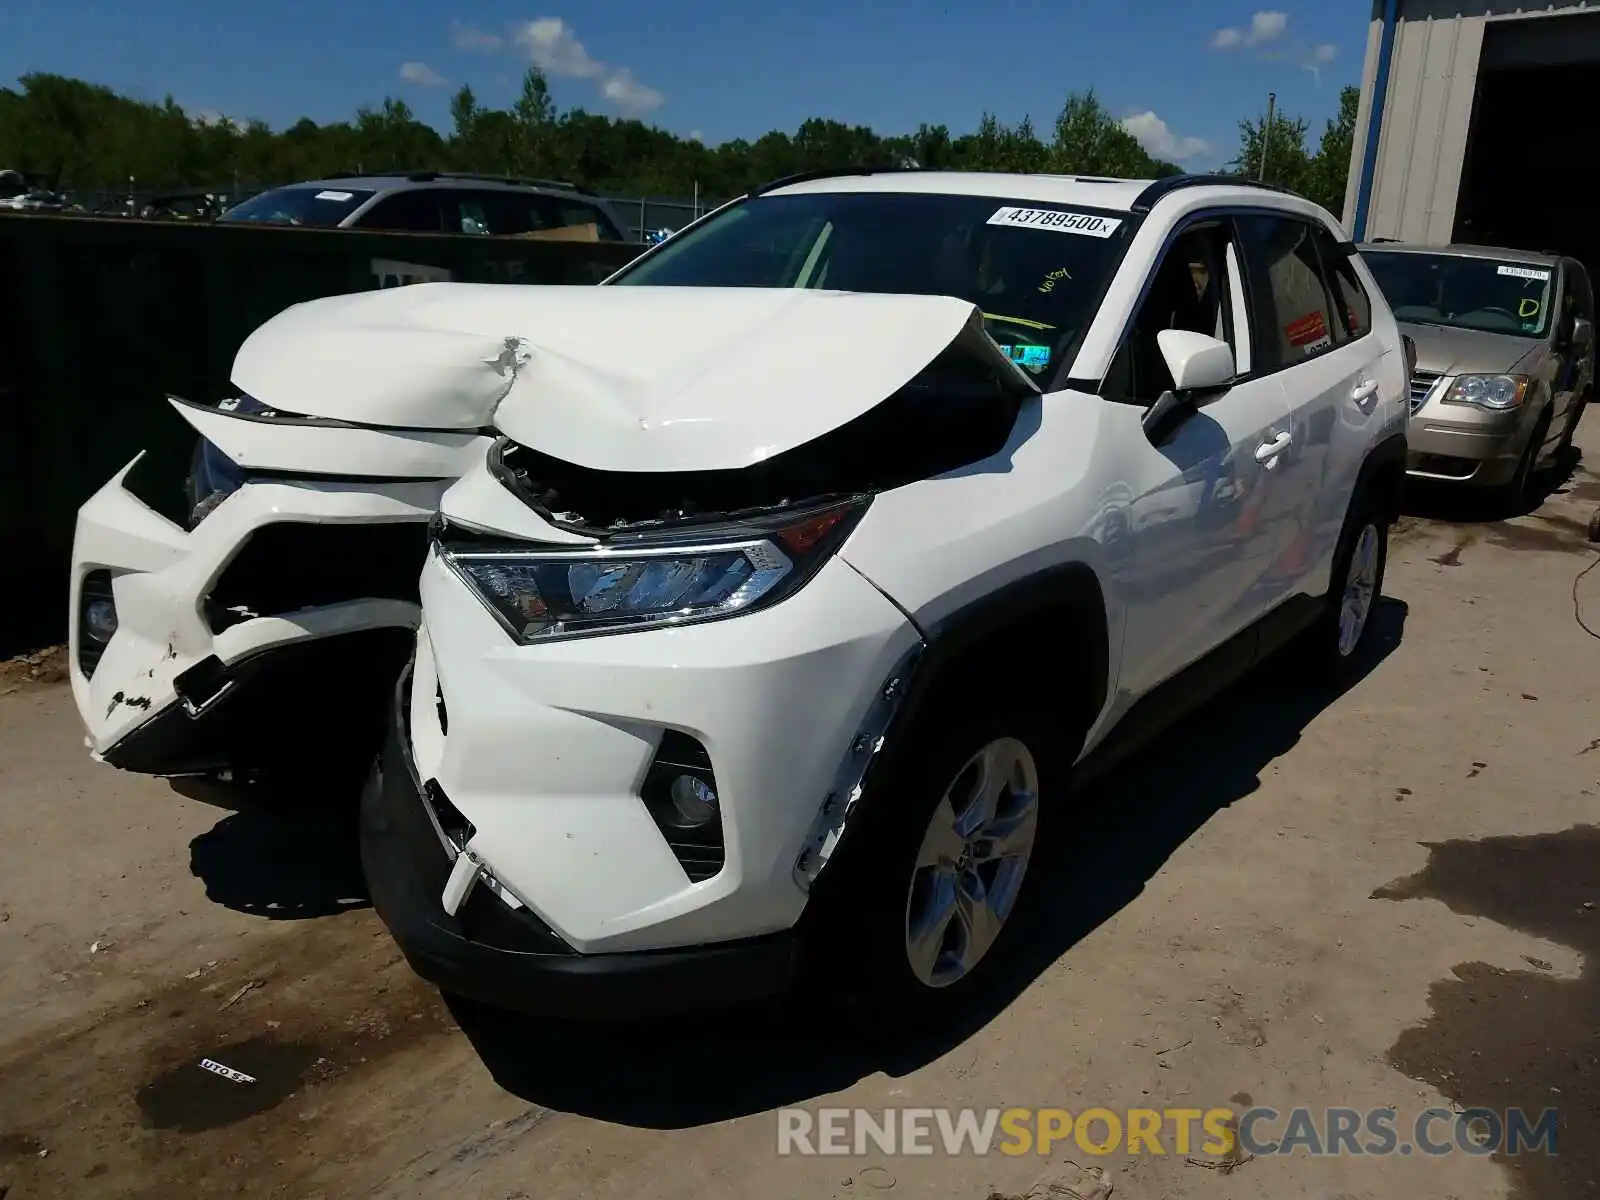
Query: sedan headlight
[[541, 595], [1495, 392]]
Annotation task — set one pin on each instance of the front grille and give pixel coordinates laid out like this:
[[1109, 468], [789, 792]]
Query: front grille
[[1421, 384]]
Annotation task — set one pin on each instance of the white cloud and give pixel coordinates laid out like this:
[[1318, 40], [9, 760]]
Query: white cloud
[[421, 74], [1318, 57], [628, 94], [1265, 26], [1151, 132], [696, 136], [470, 37], [554, 49], [551, 45]]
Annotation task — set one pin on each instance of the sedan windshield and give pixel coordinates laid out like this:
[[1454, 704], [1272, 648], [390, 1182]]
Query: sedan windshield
[[321, 207], [1465, 292], [1037, 273]]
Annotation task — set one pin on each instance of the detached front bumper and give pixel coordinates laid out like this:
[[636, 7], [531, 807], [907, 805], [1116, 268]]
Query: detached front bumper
[[183, 682], [510, 958]]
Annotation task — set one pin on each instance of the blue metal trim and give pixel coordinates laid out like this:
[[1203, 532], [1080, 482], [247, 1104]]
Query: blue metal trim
[[1380, 93]]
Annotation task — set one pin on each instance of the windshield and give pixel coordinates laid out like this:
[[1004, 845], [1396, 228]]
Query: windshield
[[1467, 293], [318, 206], [1036, 272]]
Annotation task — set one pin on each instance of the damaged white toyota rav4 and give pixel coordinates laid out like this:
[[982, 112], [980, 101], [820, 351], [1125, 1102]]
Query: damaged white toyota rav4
[[820, 546]]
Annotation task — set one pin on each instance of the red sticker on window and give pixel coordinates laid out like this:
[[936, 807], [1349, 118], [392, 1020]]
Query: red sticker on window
[[1312, 327]]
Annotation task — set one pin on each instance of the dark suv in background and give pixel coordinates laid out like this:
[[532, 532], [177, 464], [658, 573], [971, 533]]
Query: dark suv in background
[[438, 202]]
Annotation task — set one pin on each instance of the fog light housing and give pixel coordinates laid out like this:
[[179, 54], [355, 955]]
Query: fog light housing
[[97, 619], [680, 792], [100, 619], [694, 802]]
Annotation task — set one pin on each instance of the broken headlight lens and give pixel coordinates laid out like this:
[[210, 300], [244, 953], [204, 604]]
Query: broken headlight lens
[[539, 595]]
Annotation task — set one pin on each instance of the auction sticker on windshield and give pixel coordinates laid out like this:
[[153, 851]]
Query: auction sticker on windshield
[[1526, 273], [1082, 224]]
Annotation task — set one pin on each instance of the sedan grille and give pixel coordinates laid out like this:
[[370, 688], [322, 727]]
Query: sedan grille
[[1421, 384]]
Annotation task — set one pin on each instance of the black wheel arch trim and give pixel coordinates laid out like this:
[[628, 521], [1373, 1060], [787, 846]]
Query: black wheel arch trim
[[1384, 471], [1073, 585]]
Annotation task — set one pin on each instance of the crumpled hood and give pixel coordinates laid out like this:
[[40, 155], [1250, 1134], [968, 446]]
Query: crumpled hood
[[1447, 351], [611, 378]]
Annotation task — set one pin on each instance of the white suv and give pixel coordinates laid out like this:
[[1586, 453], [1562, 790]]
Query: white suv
[[823, 544]]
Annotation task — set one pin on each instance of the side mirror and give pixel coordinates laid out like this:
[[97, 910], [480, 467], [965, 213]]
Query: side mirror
[[1582, 333], [1198, 363], [1411, 354]]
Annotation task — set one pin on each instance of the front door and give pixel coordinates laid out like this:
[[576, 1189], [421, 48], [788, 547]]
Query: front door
[[1204, 510]]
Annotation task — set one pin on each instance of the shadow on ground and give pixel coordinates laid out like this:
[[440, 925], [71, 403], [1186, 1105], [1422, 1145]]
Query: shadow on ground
[[1501, 1039], [695, 1070], [285, 861], [1457, 505]]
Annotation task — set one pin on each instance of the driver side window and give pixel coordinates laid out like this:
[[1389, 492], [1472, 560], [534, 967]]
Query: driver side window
[[1190, 290]]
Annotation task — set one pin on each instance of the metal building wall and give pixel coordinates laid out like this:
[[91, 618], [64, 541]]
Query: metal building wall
[[1436, 58]]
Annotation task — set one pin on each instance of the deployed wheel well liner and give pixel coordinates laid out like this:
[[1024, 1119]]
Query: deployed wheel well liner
[[1053, 623]]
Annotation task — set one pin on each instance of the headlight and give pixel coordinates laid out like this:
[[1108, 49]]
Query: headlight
[[1496, 392], [541, 595]]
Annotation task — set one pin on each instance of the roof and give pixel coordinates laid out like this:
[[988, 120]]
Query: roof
[[1086, 191], [1081, 191], [1498, 253]]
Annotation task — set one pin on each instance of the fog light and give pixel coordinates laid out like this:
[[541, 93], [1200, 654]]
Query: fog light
[[100, 619], [693, 801]]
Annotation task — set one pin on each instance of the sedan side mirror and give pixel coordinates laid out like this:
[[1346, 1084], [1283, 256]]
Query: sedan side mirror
[[1582, 333]]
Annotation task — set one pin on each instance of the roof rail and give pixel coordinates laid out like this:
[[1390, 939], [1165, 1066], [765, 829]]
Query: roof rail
[[1162, 188], [418, 176], [827, 173], [425, 176]]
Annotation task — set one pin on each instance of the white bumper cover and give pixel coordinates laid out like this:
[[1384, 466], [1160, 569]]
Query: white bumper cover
[[161, 575], [547, 746]]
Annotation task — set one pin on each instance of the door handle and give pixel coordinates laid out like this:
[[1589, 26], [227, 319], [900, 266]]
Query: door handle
[[1268, 451], [1365, 391]]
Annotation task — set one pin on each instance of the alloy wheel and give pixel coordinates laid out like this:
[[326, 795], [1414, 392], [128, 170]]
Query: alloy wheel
[[970, 867]]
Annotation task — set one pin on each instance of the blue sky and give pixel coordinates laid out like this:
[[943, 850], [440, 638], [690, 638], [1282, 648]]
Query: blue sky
[[1181, 71]]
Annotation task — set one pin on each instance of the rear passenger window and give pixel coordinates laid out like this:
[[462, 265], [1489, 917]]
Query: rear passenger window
[[1291, 310], [1350, 298], [412, 211]]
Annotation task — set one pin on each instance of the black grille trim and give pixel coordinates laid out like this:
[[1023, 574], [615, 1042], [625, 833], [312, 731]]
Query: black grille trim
[[290, 565]]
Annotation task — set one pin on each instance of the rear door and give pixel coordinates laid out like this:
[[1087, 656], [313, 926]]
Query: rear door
[[1312, 320]]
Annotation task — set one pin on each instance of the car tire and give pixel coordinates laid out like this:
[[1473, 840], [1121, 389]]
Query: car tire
[[1571, 429], [1518, 495], [932, 896], [1337, 641]]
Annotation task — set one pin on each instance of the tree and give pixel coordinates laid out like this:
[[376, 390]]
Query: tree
[[91, 139], [1319, 176]]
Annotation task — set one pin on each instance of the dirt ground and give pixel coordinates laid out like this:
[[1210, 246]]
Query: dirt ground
[[1386, 898]]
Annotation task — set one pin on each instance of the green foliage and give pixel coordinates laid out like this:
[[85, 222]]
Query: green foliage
[[1319, 175], [88, 137]]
